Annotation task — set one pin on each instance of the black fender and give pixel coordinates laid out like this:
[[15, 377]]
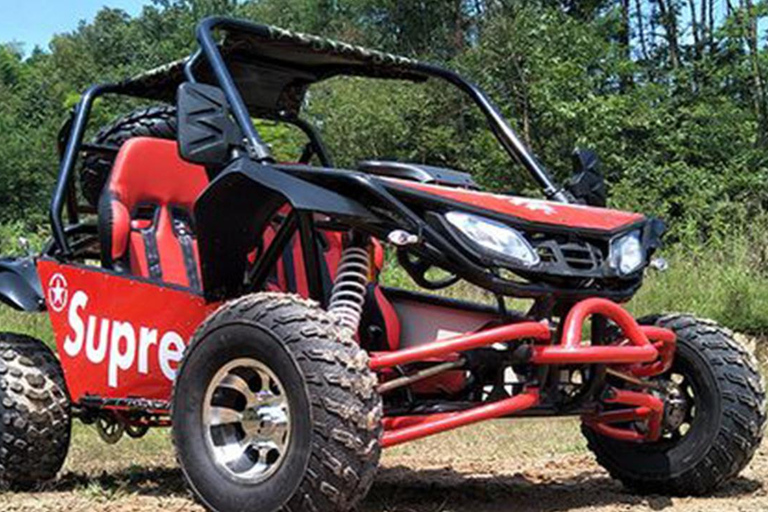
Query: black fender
[[20, 285], [234, 210]]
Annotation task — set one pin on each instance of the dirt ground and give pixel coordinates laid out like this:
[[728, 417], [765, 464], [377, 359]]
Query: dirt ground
[[530, 465]]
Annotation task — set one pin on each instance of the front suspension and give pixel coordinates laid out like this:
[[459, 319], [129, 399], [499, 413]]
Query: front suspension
[[640, 352]]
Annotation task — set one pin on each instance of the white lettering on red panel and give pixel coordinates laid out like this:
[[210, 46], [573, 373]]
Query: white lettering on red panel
[[122, 344]]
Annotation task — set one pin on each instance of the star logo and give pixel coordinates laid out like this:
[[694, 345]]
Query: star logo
[[533, 205], [58, 293]]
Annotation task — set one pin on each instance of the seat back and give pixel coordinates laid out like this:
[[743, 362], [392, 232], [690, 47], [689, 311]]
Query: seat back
[[146, 228], [146, 222]]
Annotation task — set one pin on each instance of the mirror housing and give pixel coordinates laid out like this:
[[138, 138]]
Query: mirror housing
[[206, 132], [587, 184]]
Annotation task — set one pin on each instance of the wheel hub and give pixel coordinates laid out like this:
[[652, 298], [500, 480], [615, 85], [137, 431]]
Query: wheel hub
[[246, 418], [676, 408]]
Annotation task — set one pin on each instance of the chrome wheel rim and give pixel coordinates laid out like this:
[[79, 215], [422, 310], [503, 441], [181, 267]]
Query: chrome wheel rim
[[247, 420]]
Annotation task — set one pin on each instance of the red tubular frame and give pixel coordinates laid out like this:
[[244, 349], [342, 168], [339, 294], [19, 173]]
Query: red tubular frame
[[646, 408], [441, 348], [642, 345], [434, 424], [571, 351]]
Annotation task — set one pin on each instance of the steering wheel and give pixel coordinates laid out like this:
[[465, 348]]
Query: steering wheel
[[417, 268]]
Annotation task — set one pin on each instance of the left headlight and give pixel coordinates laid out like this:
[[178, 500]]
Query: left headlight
[[495, 237], [627, 254]]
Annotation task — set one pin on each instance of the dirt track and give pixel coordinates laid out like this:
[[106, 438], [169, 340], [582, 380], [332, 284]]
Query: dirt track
[[501, 467]]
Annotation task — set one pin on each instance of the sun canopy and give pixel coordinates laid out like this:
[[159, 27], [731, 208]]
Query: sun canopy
[[273, 68]]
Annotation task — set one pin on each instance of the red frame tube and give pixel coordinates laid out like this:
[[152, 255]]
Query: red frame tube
[[425, 426], [525, 330], [646, 407], [571, 351], [665, 343], [636, 351]]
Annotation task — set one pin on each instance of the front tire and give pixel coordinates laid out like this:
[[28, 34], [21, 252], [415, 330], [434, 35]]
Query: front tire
[[724, 425], [273, 409], [35, 420]]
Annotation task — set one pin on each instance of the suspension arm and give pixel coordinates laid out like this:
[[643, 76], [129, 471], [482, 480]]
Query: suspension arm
[[647, 350]]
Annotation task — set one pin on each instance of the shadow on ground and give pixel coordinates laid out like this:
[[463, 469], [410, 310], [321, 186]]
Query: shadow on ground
[[404, 489], [401, 489]]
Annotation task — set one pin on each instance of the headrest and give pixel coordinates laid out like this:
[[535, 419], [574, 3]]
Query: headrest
[[149, 170]]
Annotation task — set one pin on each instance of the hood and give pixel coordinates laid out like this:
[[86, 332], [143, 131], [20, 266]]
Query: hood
[[532, 210]]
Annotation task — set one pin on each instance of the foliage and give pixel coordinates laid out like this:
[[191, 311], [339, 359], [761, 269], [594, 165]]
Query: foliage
[[671, 94]]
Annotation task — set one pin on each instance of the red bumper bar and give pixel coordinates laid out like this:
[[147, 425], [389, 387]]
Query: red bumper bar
[[571, 351], [636, 351]]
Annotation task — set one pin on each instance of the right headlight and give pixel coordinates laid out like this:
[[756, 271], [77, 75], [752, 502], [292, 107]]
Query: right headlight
[[495, 237], [627, 254]]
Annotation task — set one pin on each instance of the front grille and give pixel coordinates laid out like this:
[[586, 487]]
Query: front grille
[[574, 256]]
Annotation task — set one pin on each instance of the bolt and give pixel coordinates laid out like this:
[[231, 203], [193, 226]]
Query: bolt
[[402, 238]]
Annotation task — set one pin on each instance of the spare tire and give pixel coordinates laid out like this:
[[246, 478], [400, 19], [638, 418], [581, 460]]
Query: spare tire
[[157, 121]]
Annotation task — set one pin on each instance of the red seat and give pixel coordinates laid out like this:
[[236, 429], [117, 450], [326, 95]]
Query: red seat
[[146, 227], [146, 222]]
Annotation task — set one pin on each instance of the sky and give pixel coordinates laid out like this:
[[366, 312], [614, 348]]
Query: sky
[[34, 22]]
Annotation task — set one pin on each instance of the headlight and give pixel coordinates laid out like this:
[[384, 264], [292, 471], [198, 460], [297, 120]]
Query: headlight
[[627, 254], [494, 236]]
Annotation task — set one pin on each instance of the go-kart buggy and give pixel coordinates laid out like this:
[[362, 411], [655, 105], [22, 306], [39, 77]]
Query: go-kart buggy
[[194, 282]]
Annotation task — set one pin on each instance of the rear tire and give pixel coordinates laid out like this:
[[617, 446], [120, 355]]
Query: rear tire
[[282, 352], [35, 420], [158, 122], [725, 428]]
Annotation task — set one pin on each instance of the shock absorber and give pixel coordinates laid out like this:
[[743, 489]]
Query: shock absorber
[[349, 288]]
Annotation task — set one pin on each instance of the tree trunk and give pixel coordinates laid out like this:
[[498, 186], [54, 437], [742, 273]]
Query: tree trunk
[[624, 41], [458, 27], [669, 20], [641, 29], [749, 25], [712, 40], [695, 27]]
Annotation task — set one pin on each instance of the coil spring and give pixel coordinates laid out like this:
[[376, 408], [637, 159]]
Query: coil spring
[[349, 288]]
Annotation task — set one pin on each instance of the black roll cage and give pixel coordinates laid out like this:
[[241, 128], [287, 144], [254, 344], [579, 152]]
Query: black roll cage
[[443, 252], [258, 150]]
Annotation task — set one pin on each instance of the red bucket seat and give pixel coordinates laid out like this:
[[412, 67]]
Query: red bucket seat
[[147, 229], [146, 224]]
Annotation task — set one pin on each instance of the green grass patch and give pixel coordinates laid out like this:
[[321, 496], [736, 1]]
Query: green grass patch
[[36, 325], [728, 284]]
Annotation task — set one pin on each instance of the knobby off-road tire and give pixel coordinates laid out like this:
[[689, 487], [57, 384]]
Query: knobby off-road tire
[[35, 420], [333, 446], [158, 122], [725, 431]]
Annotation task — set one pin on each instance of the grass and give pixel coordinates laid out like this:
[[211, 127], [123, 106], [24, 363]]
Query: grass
[[728, 284], [33, 324]]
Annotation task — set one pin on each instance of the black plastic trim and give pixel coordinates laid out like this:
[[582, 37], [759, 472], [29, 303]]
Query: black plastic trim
[[20, 286]]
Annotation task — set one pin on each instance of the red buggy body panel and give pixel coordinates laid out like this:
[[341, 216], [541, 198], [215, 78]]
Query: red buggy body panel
[[118, 337], [533, 210]]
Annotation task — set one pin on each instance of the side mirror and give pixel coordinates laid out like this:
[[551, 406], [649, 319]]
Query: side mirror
[[206, 131], [587, 183]]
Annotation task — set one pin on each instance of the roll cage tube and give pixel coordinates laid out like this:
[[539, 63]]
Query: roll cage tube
[[259, 150], [503, 132], [71, 141], [68, 160]]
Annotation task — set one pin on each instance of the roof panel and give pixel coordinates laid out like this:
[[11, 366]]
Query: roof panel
[[273, 67]]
